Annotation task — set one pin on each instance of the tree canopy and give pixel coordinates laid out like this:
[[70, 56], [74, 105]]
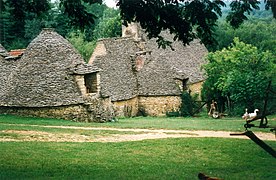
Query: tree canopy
[[239, 75], [249, 32], [186, 19]]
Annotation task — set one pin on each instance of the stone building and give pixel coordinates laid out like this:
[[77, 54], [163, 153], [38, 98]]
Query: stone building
[[52, 80], [141, 78]]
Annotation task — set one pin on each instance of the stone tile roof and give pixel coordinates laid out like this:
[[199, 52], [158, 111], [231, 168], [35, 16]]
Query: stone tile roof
[[157, 79], [185, 59], [82, 69], [3, 51], [41, 77], [121, 80], [6, 69], [118, 80]]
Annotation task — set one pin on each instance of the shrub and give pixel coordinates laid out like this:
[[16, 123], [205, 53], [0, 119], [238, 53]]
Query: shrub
[[188, 104]]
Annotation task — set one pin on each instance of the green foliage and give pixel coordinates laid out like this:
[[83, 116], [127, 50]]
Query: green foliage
[[77, 39], [188, 104], [32, 28], [109, 25], [186, 108], [15, 15], [271, 4], [173, 114], [21, 21], [77, 12], [5, 26], [249, 32], [187, 20], [239, 8], [240, 74]]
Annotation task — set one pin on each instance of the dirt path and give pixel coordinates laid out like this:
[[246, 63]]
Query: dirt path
[[130, 135]]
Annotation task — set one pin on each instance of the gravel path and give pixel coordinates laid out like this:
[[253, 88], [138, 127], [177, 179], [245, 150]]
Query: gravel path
[[135, 135]]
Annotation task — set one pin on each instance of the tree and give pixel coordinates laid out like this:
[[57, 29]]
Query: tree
[[5, 24], [187, 20], [77, 12], [85, 48], [249, 32], [14, 15], [240, 75], [109, 25]]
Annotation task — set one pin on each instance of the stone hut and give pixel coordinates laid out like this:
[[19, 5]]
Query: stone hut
[[141, 78], [52, 80]]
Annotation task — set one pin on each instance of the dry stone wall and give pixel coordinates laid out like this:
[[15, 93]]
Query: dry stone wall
[[127, 108], [98, 110], [71, 112], [196, 88], [159, 106]]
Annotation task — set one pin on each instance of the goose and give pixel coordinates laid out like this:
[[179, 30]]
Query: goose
[[253, 115], [246, 115]]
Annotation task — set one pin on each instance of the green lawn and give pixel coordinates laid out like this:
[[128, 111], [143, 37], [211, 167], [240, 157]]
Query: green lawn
[[175, 158], [190, 123]]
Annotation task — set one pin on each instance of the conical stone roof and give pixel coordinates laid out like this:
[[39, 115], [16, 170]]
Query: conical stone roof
[[6, 68], [3, 51], [42, 77]]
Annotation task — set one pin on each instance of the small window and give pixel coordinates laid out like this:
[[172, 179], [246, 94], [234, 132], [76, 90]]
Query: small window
[[90, 81]]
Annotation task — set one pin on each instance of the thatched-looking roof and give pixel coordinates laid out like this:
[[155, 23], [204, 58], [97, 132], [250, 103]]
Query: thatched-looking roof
[[166, 65], [157, 79], [43, 76], [6, 68], [138, 67], [118, 80]]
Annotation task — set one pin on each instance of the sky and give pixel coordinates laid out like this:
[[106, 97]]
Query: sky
[[110, 3]]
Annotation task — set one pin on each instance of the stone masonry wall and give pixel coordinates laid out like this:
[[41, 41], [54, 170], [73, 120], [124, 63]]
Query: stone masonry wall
[[127, 108], [81, 84], [71, 112], [196, 88], [98, 110], [158, 106]]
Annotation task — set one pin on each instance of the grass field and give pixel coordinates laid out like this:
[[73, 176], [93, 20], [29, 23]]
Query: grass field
[[189, 123], [173, 158]]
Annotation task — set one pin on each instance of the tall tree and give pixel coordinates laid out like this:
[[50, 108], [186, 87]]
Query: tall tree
[[109, 25], [77, 12], [186, 19], [240, 75], [271, 4], [248, 32], [14, 15]]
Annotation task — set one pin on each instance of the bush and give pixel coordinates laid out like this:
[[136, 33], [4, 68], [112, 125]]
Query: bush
[[188, 104]]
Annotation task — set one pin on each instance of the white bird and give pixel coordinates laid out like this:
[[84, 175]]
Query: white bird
[[253, 115], [246, 115]]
